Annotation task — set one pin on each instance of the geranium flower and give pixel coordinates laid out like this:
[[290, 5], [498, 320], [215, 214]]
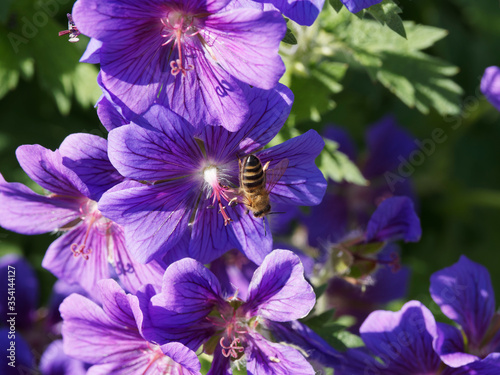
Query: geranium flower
[[465, 294], [108, 337], [490, 85], [192, 310], [91, 242], [193, 56], [187, 179]]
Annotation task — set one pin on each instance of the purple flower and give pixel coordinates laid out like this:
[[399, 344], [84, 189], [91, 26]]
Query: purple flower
[[465, 294], [190, 55], [193, 310], [356, 6], [490, 85], [19, 290], [17, 357], [394, 219], [188, 176], [109, 338], [90, 242], [348, 206], [304, 12], [404, 343], [55, 362]]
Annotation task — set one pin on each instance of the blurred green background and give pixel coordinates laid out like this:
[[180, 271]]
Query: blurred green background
[[46, 95]]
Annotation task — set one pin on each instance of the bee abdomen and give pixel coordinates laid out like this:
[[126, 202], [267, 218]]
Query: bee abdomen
[[253, 173]]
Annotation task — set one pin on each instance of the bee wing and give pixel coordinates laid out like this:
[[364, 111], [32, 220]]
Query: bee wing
[[274, 174]]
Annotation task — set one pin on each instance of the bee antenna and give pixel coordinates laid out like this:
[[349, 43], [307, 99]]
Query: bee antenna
[[276, 213]]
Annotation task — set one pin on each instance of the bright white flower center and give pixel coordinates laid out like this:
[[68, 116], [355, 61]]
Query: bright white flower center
[[210, 176]]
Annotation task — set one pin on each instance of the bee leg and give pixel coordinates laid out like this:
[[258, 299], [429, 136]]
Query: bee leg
[[233, 202], [264, 221]]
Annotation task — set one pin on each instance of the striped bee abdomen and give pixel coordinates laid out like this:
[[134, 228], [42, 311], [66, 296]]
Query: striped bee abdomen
[[253, 174]]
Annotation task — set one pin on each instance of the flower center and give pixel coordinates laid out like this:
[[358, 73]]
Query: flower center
[[234, 328], [90, 217], [211, 177], [177, 25]]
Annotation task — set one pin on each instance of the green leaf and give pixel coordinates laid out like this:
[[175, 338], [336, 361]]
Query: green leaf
[[289, 38], [336, 166], [417, 79], [336, 4], [317, 322], [318, 291], [349, 340], [387, 13], [329, 73]]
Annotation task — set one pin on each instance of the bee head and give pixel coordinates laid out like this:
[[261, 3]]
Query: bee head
[[263, 212]]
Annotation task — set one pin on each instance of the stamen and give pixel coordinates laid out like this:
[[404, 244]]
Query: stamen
[[232, 349], [72, 30], [177, 26]]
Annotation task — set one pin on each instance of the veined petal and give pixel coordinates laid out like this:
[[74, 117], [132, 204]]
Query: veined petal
[[278, 290], [154, 217], [252, 239], [183, 356], [146, 154], [356, 6], [109, 114], [264, 357], [177, 314], [487, 366], [246, 43], [207, 95], [24, 211], [270, 109], [465, 294], [403, 339], [45, 168], [394, 219], [304, 12], [87, 156], [302, 183], [449, 344], [91, 336], [131, 273], [61, 261], [113, 19], [210, 238], [189, 292]]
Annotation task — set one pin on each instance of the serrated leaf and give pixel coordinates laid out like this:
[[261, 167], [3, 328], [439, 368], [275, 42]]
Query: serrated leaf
[[419, 80], [336, 4], [387, 13], [289, 38], [336, 166]]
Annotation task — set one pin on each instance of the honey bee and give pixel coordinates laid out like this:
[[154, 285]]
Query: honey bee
[[256, 182]]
